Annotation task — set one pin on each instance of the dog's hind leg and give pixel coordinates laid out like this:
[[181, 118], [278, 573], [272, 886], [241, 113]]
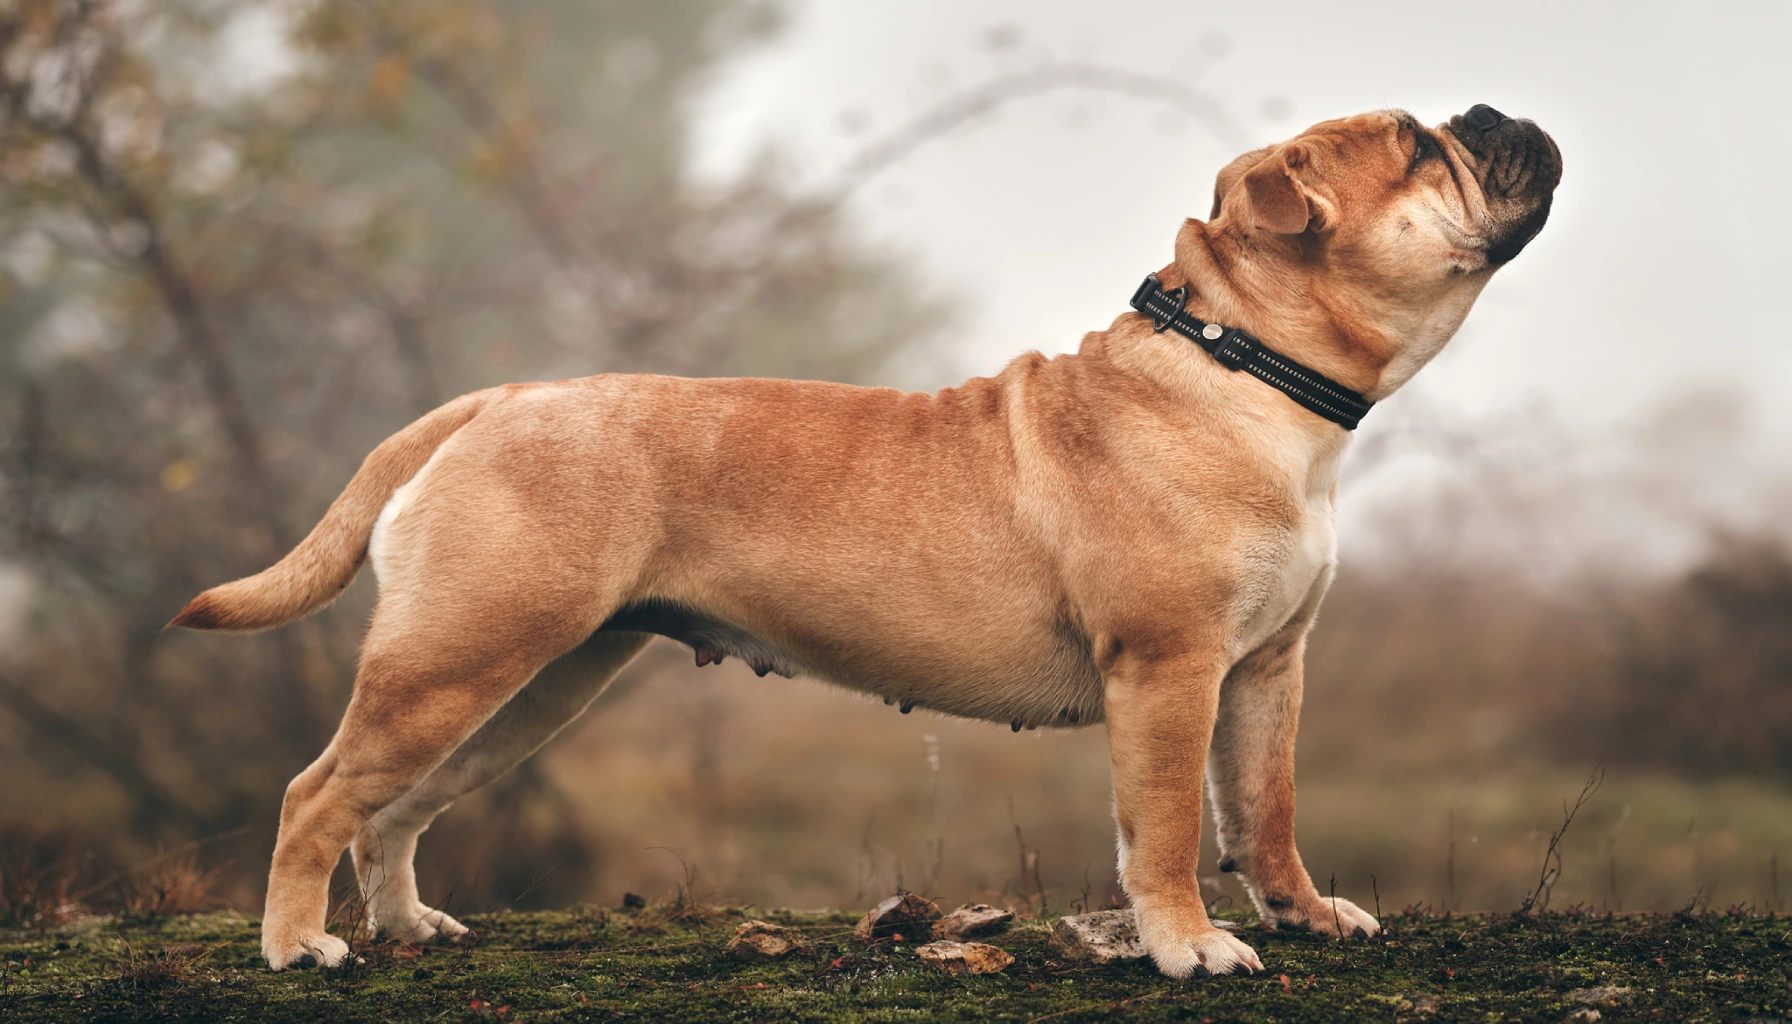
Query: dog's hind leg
[[438, 663], [384, 848]]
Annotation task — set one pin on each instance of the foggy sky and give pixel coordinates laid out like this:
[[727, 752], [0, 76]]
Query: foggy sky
[[1661, 273]]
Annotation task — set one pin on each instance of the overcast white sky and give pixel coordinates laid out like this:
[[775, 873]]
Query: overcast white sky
[[1662, 270]]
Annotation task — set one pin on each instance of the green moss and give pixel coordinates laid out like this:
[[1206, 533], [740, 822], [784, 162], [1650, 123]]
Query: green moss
[[649, 966]]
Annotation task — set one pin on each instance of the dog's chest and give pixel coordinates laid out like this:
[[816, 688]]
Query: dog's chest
[[1287, 575]]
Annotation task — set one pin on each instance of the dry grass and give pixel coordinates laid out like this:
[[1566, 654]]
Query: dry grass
[[169, 967], [44, 882], [171, 885]]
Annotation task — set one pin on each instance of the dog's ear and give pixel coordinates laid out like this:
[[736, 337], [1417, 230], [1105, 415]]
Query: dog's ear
[[1278, 201], [1230, 174]]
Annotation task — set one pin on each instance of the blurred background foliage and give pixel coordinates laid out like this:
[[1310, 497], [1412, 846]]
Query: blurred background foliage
[[221, 285]]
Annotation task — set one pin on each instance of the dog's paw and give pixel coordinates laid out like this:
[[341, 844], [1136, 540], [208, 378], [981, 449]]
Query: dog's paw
[[1324, 914], [300, 951], [1205, 954], [416, 923], [1185, 944]]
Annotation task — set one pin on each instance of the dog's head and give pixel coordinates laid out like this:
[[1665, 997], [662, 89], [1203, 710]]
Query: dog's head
[[1396, 225]]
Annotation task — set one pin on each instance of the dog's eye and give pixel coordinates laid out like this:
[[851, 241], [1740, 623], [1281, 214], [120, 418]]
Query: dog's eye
[[1424, 147]]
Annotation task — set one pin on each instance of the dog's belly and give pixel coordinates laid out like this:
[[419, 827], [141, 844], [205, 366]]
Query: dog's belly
[[1041, 676]]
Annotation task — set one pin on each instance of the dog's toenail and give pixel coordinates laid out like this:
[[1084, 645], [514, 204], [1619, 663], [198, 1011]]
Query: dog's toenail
[[907, 706], [304, 962], [1361, 933], [1200, 971], [1200, 956], [1228, 866], [1015, 725]]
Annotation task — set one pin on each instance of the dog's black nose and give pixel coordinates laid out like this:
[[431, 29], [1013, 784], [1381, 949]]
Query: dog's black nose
[[1481, 117]]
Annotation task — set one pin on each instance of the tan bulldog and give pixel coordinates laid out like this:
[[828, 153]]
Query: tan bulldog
[[1137, 534]]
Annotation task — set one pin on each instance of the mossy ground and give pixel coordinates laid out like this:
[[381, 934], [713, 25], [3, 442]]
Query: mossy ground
[[598, 965]]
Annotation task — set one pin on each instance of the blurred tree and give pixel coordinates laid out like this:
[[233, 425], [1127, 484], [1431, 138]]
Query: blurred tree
[[1704, 679], [244, 242]]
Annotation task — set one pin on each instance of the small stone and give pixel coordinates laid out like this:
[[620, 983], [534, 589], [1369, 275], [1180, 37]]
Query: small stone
[[1603, 995], [1585, 1016], [1423, 1003], [970, 922], [904, 912], [1104, 936], [965, 957], [762, 940]]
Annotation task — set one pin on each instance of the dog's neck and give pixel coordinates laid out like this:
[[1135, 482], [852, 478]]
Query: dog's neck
[[1226, 287], [1266, 286], [1231, 282]]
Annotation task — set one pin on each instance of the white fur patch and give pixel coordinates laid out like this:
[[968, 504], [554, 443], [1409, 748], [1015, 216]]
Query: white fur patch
[[379, 553]]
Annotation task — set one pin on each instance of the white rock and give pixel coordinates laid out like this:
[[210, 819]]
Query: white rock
[[1103, 936]]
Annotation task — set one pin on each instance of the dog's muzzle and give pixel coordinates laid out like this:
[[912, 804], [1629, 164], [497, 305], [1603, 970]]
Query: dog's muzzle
[[1518, 167]]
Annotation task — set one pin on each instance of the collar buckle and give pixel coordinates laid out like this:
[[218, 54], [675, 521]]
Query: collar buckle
[[1179, 298]]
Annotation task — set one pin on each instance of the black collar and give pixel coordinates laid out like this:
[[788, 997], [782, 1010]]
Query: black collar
[[1236, 350]]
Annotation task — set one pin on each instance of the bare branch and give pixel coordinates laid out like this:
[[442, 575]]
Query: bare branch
[[956, 110]]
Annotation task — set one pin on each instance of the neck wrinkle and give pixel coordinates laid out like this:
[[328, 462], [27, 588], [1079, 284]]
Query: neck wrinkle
[[1222, 289]]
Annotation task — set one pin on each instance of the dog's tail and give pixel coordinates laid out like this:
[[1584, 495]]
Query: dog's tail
[[325, 562]]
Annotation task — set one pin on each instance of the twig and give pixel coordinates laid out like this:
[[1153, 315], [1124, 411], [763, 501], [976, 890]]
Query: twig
[[1538, 900]]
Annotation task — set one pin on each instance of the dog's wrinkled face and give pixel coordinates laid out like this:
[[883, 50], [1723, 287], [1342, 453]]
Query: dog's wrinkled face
[[1404, 223], [1478, 187]]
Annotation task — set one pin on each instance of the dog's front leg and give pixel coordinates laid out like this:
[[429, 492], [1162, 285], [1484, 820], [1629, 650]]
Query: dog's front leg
[[1252, 774], [1160, 713]]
